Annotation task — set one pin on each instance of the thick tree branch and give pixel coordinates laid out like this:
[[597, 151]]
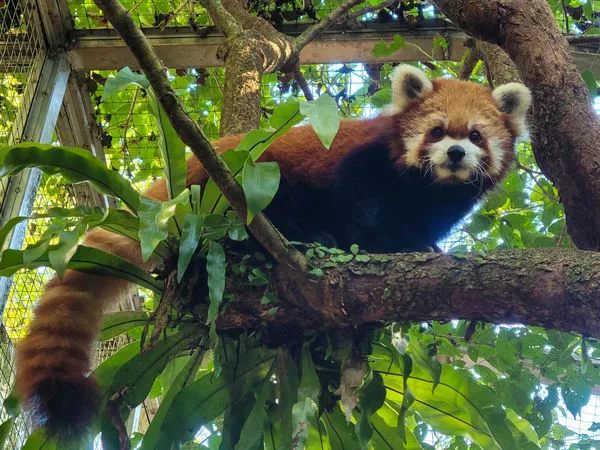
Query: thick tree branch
[[583, 38], [567, 131], [551, 288], [317, 29], [227, 23], [191, 134]]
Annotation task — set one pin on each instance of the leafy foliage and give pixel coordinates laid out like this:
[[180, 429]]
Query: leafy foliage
[[434, 385]]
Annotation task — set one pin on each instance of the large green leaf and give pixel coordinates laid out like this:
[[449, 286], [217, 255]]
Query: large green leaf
[[215, 266], [260, 181], [171, 148], [138, 374], [191, 234], [284, 116], [251, 436], [105, 372], [209, 396], [459, 405], [86, 259], [305, 409], [324, 116], [156, 220], [119, 322], [370, 398], [121, 81], [187, 374], [73, 163], [5, 429]]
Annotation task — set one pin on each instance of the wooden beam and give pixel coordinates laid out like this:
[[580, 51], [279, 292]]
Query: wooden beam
[[183, 48], [102, 49]]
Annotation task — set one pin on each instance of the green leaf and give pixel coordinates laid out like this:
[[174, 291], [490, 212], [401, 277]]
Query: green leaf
[[39, 441], [137, 375], [324, 116], [386, 436], [590, 82], [171, 147], [215, 266], [191, 234], [119, 322], [424, 358], [155, 220], [383, 49], [185, 376], [89, 260], [303, 411], [212, 198], [207, 398], [106, 371], [381, 98], [5, 429], [342, 435], [459, 405], [60, 254], [287, 376], [260, 182], [371, 397], [215, 227], [74, 164], [284, 116], [237, 228], [251, 436], [119, 82]]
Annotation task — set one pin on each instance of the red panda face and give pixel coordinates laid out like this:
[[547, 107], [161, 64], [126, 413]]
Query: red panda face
[[456, 131]]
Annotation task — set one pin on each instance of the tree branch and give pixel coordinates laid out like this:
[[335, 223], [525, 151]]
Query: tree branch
[[191, 134], [222, 18], [299, 77], [469, 63], [318, 28], [551, 288]]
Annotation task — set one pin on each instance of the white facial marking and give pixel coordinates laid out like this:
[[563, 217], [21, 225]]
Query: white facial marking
[[438, 155], [497, 154], [413, 144]]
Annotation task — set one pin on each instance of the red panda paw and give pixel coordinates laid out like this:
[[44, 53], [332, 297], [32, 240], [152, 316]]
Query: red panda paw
[[66, 408]]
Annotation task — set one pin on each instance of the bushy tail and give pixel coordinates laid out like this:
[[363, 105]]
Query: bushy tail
[[53, 360]]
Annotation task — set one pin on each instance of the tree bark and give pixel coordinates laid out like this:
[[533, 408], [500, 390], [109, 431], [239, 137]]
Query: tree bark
[[566, 132], [551, 288]]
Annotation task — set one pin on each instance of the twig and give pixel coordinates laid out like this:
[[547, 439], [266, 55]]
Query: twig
[[173, 15], [191, 135], [317, 29], [563, 233], [299, 76], [124, 146], [469, 63], [136, 6]]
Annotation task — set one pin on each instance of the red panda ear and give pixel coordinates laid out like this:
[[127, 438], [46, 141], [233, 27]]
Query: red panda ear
[[408, 83], [514, 99]]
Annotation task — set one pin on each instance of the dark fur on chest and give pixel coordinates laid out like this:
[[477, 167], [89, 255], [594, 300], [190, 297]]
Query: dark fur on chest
[[373, 205]]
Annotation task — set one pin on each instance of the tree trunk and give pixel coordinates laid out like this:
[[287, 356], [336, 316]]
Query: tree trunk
[[566, 132]]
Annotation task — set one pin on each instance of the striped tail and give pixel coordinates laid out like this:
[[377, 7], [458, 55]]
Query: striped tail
[[54, 359]]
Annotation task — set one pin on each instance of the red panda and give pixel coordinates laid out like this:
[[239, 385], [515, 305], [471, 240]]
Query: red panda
[[398, 182]]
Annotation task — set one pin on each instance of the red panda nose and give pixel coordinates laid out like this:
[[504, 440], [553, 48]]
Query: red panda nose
[[456, 153]]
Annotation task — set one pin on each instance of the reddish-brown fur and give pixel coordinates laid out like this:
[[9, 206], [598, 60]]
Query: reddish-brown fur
[[57, 350], [68, 315]]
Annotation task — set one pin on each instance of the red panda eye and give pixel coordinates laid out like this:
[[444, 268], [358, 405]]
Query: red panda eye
[[437, 133], [475, 136]]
